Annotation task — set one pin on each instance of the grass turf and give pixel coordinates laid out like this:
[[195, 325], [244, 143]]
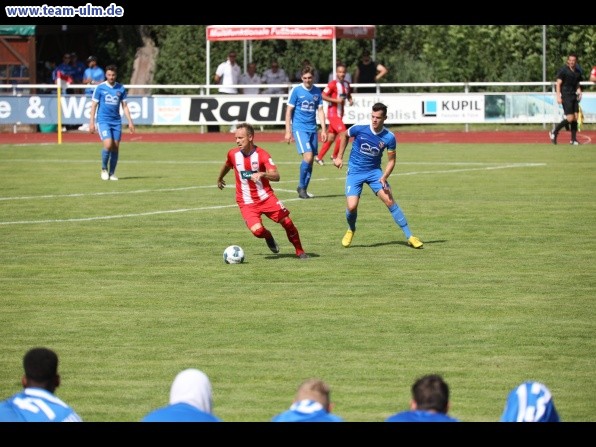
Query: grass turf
[[125, 280]]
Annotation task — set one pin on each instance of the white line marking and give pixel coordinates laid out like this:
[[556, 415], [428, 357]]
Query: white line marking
[[183, 210]]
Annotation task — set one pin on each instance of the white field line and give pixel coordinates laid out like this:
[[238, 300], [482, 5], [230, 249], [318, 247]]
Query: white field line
[[480, 167]]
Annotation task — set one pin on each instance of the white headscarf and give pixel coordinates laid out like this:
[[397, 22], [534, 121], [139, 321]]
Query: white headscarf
[[192, 387]]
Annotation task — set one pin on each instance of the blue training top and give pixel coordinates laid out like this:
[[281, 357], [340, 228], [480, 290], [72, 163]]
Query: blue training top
[[306, 104], [109, 99], [368, 146]]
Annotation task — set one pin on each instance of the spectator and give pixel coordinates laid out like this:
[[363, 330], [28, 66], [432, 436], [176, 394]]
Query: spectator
[[250, 77], [227, 74], [368, 72], [370, 141], [107, 99], [78, 68], [93, 76], [64, 70], [298, 73], [304, 104], [593, 74], [530, 402], [275, 75], [190, 400], [430, 402], [311, 404], [37, 402], [348, 77], [569, 94], [254, 169], [337, 92]]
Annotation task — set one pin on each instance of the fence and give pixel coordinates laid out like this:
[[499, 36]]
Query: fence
[[408, 103]]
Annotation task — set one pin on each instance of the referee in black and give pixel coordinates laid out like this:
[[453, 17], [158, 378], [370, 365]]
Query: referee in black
[[569, 94]]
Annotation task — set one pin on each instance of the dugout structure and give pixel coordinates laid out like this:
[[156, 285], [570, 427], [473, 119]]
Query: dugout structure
[[218, 33]]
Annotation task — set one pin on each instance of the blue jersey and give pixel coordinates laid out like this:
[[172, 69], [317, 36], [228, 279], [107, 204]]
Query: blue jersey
[[306, 411], [420, 416], [367, 147], [306, 105], [530, 402], [109, 99], [180, 412], [36, 405]]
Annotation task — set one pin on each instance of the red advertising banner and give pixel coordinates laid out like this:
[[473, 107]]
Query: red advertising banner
[[231, 32]]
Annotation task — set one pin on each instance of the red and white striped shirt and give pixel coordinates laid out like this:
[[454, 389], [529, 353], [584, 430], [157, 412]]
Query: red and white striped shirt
[[336, 89], [259, 160]]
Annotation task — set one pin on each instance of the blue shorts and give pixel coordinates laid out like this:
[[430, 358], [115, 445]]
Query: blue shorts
[[306, 142], [354, 182], [109, 130]]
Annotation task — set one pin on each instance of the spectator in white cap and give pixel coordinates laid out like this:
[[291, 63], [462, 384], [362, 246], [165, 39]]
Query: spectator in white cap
[[190, 400]]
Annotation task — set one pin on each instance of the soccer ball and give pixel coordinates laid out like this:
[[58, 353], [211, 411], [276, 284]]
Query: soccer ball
[[233, 254]]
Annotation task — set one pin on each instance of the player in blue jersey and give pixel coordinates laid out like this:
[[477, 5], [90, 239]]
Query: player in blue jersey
[[37, 402], [304, 104], [311, 404], [190, 400], [364, 167], [430, 402], [107, 99], [530, 402]]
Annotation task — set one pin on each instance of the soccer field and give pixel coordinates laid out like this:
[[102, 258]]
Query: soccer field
[[126, 282]]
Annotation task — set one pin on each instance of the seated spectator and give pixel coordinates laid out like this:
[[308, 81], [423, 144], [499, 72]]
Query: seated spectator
[[190, 400], [78, 68], [37, 402], [64, 70], [275, 75], [530, 402], [311, 404], [250, 77], [430, 402]]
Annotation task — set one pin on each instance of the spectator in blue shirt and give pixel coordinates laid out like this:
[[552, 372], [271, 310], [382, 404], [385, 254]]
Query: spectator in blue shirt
[[311, 404], [430, 402], [37, 402], [530, 402]]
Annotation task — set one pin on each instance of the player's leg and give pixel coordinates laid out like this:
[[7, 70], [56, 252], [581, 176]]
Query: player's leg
[[386, 196], [106, 141], [115, 151], [304, 147], [339, 128], [353, 190], [330, 138], [252, 218], [332, 132]]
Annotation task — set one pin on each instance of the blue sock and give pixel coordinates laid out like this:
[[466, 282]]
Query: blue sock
[[304, 174], [400, 219], [105, 155], [351, 218], [113, 162], [307, 175]]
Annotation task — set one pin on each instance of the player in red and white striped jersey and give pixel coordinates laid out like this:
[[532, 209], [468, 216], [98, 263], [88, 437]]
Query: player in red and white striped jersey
[[336, 93], [254, 169]]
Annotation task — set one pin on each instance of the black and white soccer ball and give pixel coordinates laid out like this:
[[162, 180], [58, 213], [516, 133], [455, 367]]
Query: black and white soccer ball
[[234, 254]]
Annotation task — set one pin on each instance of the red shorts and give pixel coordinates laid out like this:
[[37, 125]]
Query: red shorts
[[336, 125], [273, 208]]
